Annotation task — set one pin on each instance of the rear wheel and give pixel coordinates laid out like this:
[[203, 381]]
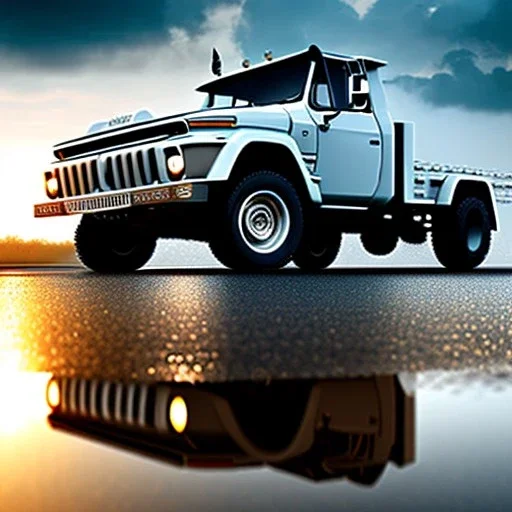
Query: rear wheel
[[109, 246], [380, 241], [461, 239], [318, 249], [261, 225]]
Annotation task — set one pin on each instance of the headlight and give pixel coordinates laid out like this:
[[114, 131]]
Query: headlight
[[52, 185], [53, 394], [178, 414], [176, 166]]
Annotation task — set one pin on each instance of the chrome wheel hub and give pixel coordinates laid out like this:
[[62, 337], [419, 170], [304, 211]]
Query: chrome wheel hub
[[264, 221], [475, 233]]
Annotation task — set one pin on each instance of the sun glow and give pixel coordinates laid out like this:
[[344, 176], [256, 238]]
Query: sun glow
[[22, 395]]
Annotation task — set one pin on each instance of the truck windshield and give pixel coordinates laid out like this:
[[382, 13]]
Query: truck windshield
[[279, 82], [219, 101]]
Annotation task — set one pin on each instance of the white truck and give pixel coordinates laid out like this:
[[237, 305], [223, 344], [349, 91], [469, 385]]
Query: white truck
[[283, 158]]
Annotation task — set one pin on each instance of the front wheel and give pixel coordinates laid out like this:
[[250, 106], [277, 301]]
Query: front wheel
[[318, 249], [262, 224], [109, 246], [461, 239]]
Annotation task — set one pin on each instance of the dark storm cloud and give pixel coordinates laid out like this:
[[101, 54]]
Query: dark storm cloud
[[463, 84], [485, 24], [63, 32], [60, 32], [410, 34]]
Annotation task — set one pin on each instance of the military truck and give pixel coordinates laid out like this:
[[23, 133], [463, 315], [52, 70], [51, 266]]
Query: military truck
[[283, 158]]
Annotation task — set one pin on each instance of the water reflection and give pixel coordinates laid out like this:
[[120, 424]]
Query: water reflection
[[203, 327], [322, 429]]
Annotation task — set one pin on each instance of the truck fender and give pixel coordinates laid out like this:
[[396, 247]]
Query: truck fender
[[452, 184], [236, 143]]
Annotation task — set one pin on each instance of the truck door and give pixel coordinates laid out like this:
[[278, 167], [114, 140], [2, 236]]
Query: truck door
[[349, 150]]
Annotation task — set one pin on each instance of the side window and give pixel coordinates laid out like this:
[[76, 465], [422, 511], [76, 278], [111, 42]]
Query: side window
[[320, 97], [339, 81], [338, 76]]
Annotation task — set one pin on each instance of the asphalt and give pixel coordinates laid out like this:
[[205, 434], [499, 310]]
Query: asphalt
[[209, 325]]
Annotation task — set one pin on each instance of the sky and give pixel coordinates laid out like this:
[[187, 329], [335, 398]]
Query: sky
[[68, 64]]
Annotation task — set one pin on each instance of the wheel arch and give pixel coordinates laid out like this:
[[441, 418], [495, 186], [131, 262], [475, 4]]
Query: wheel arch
[[252, 150], [270, 156], [455, 188]]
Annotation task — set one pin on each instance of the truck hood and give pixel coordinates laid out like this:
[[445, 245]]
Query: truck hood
[[106, 137]]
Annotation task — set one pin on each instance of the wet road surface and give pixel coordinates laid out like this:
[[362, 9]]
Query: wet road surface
[[213, 325]]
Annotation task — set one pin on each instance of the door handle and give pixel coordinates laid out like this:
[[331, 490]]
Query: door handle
[[374, 142]]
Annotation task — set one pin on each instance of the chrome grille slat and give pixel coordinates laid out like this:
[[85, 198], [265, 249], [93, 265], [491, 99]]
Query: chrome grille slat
[[125, 164], [93, 393], [73, 405], [69, 173], [147, 167], [81, 180], [64, 395], [105, 392], [142, 405], [116, 173], [101, 165], [65, 181], [135, 169], [118, 408], [130, 404], [90, 178], [82, 397]]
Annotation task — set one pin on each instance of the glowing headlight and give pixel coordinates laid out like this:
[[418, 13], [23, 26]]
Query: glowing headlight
[[175, 165], [53, 394], [178, 414], [52, 186]]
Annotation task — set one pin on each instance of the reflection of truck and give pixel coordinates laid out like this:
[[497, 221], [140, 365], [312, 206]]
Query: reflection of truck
[[318, 429], [304, 151]]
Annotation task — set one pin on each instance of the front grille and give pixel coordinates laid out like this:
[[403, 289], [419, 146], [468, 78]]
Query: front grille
[[113, 402], [77, 178], [132, 169], [113, 171]]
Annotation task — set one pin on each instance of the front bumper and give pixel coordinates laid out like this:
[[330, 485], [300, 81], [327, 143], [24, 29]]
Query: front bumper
[[141, 196]]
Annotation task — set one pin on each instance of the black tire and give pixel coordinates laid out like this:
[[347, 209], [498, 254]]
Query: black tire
[[318, 249], [461, 239], [222, 251], [413, 234], [111, 247], [380, 242], [264, 203]]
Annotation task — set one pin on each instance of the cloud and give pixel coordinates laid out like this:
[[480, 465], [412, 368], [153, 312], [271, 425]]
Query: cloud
[[463, 84], [160, 77], [484, 24], [59, 33]]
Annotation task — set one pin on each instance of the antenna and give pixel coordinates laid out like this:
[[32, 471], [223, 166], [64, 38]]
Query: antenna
[[216, 63]]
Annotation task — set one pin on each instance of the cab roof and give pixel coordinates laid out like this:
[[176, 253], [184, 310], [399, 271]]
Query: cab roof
[[311, 53]]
